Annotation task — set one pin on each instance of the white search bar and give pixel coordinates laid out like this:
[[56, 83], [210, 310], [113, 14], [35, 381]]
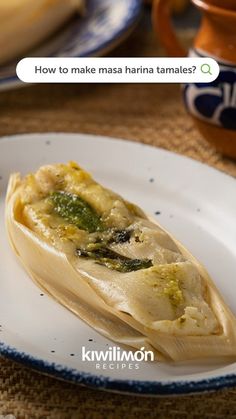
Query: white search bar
[[117, 70]]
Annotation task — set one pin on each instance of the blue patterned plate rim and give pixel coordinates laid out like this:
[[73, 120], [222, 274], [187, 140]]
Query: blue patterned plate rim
[[148, 388], [134, 8]]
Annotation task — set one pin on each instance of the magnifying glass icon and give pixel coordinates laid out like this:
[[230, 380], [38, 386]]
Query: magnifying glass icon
[[206, 69]]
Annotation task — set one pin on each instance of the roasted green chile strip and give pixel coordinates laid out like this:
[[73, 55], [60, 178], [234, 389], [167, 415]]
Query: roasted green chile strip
[[112, 260], [76, 211]]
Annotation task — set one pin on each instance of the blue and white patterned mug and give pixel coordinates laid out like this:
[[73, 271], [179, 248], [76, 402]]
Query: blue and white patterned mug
[[212, 105]]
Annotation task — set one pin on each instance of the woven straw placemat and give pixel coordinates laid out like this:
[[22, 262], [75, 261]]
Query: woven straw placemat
[[153, 114]]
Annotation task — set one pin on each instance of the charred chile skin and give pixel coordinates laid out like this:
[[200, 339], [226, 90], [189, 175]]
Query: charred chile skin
[[122, 236]]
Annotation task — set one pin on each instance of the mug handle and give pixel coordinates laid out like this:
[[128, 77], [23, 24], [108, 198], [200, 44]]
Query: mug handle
[[161, 19]]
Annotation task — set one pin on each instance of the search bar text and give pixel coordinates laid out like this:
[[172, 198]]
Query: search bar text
[[117, 70]]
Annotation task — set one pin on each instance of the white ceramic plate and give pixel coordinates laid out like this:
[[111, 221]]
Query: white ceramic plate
[[196, 203], [105, 24]]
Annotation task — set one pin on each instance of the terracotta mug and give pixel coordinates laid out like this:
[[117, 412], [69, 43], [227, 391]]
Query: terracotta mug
[[212, 105]]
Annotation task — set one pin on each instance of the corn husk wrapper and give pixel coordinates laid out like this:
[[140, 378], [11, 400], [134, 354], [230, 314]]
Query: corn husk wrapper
[[54, 272]]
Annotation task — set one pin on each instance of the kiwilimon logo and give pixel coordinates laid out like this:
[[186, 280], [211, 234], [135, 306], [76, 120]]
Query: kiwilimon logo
[[116, 358]]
